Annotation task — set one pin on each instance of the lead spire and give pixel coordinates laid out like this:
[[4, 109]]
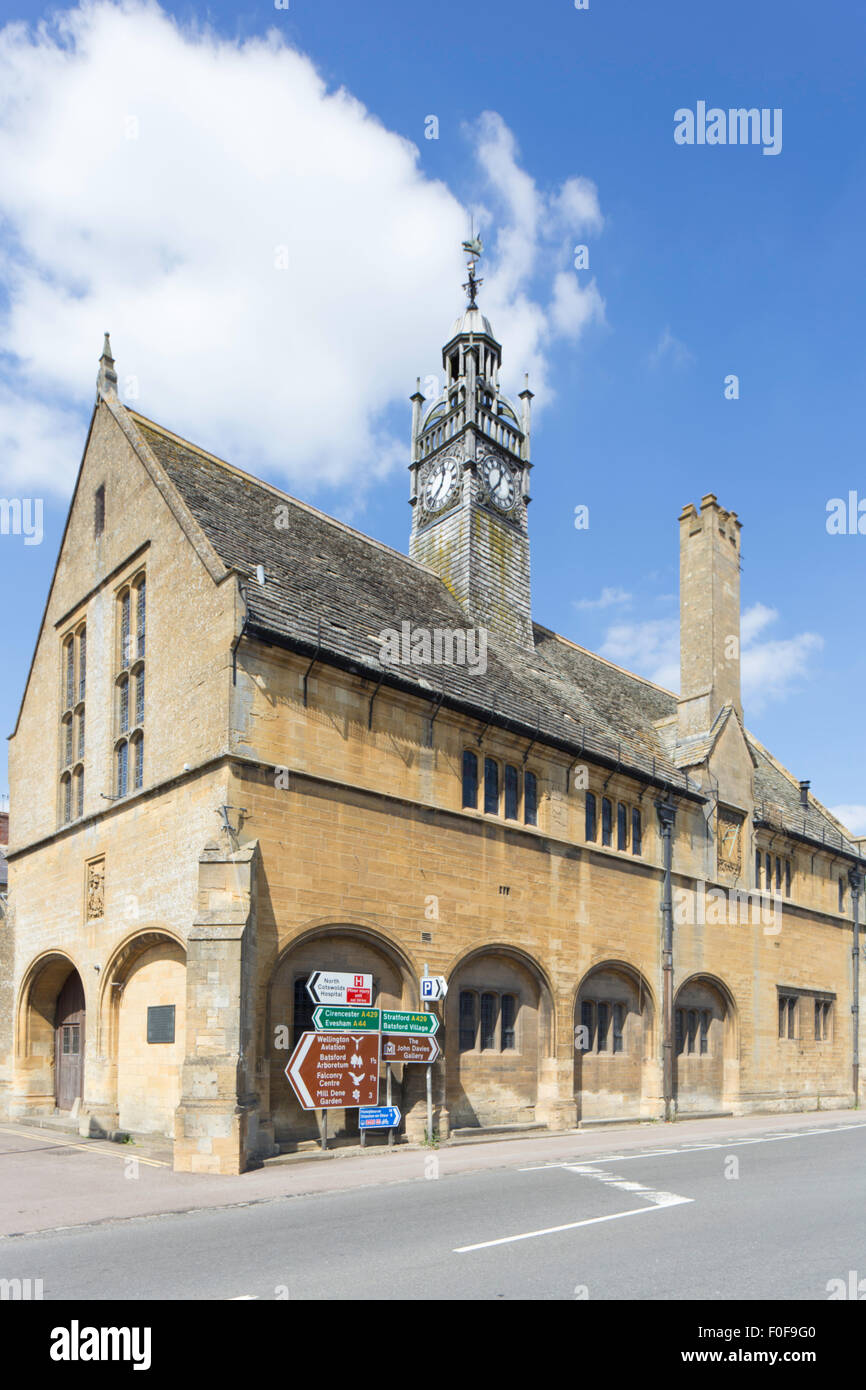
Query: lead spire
[[106, 381]]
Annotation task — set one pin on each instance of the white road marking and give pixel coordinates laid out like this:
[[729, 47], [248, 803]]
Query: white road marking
[[670, 1201], [691, 1148]]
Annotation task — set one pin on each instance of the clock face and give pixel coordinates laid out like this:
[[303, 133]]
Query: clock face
[[501, 482], [440, 483]]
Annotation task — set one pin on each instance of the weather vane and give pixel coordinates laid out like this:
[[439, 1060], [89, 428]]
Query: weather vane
[[473, 249]]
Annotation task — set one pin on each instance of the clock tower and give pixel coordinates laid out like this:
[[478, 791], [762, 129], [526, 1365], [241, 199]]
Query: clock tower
[[470, 479]]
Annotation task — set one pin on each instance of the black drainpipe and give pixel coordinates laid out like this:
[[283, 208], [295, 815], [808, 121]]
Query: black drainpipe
[[856, 880], [667, 811]]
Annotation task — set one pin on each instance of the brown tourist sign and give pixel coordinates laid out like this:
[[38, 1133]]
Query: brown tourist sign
[[400, 1049], [335, 1071]]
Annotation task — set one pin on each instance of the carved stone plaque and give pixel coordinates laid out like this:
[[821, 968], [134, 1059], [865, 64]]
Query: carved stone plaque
[[94, 894]]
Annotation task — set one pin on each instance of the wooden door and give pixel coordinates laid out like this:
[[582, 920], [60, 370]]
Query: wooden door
[[69, 1043]]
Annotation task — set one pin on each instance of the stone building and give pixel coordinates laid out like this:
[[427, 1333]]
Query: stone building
[[255, 742]]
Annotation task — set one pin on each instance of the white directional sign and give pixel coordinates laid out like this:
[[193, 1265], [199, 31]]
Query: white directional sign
[[335, 987], [433, 987]]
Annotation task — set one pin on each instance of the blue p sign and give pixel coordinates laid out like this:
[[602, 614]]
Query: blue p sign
[[427, 987]]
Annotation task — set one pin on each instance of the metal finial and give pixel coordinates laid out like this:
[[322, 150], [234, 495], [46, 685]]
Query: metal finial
[[473, 248]]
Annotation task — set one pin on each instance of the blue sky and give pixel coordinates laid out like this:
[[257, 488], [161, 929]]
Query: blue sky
[[704, 261]]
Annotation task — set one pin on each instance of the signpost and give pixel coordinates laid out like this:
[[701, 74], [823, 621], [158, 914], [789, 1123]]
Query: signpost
[[403, 1049], [401, 1021], [379, 1117], [337, 1018], [336, 987], [335, 1071], [433, 987]]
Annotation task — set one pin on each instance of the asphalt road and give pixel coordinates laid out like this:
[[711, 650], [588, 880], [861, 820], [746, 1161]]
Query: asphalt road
[[775, 1217]]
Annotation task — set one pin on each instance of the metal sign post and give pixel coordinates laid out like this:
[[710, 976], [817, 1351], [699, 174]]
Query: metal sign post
[[388, 1100], [429, 1073]]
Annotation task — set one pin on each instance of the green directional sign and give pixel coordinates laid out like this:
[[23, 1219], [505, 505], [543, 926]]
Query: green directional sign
[[408, 1024], [343, 1018]]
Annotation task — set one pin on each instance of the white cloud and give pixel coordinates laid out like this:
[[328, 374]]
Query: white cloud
[[769, 669], [651, 649], [853, 816], [152, 174], [669, 348], [606, 599], [753, 621]]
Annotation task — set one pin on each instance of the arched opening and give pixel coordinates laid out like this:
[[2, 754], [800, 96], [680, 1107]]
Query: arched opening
[[69, 1038], [290, 1013], [142, 1030], [50, 1036], [705, 1060], [499, 1018], [613, 1043]]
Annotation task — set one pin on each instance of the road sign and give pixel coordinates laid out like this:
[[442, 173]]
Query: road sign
[[379, 1117], [337, 1018], [335, 1071], [414, 1025], [397, 1049], [433, 987], [336, 987]]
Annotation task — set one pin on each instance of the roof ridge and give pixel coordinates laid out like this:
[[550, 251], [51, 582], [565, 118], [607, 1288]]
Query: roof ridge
[[818, 805], [278, 492], [596, 656]]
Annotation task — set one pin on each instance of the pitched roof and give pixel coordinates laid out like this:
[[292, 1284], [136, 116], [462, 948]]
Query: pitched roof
[[332, 590]]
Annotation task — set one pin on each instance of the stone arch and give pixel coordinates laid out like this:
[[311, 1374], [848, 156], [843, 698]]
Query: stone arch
[[706, 1069], [502, 997], [38, 994], [140, 1081], [338, 946], [615, 1064]]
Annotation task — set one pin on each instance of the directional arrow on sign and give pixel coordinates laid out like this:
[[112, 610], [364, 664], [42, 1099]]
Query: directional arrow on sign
[[338, 987], [379, 1117], [403, 1049], [433, 987], [411, 1024], [335, 1071], [334, 1018]]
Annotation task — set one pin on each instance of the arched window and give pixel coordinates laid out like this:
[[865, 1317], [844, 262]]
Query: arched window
[[125, 640], [140, 615], [621, 827], [512, 783], [138, 760], [123, 705], [636, 831], [606, 820], [121, 768], [82, 662], [509, 1021], [489, 1010], [470, 779], [590, 831], [530, 798], [491, 787], [130, 682], [468, 1019], [69, 664], [66, 798], [78, 778]]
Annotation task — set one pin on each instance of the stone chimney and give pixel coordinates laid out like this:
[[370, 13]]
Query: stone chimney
[[709, 615]]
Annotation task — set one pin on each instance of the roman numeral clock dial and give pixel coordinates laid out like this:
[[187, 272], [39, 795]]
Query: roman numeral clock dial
[[440, 483], [500, 481]]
